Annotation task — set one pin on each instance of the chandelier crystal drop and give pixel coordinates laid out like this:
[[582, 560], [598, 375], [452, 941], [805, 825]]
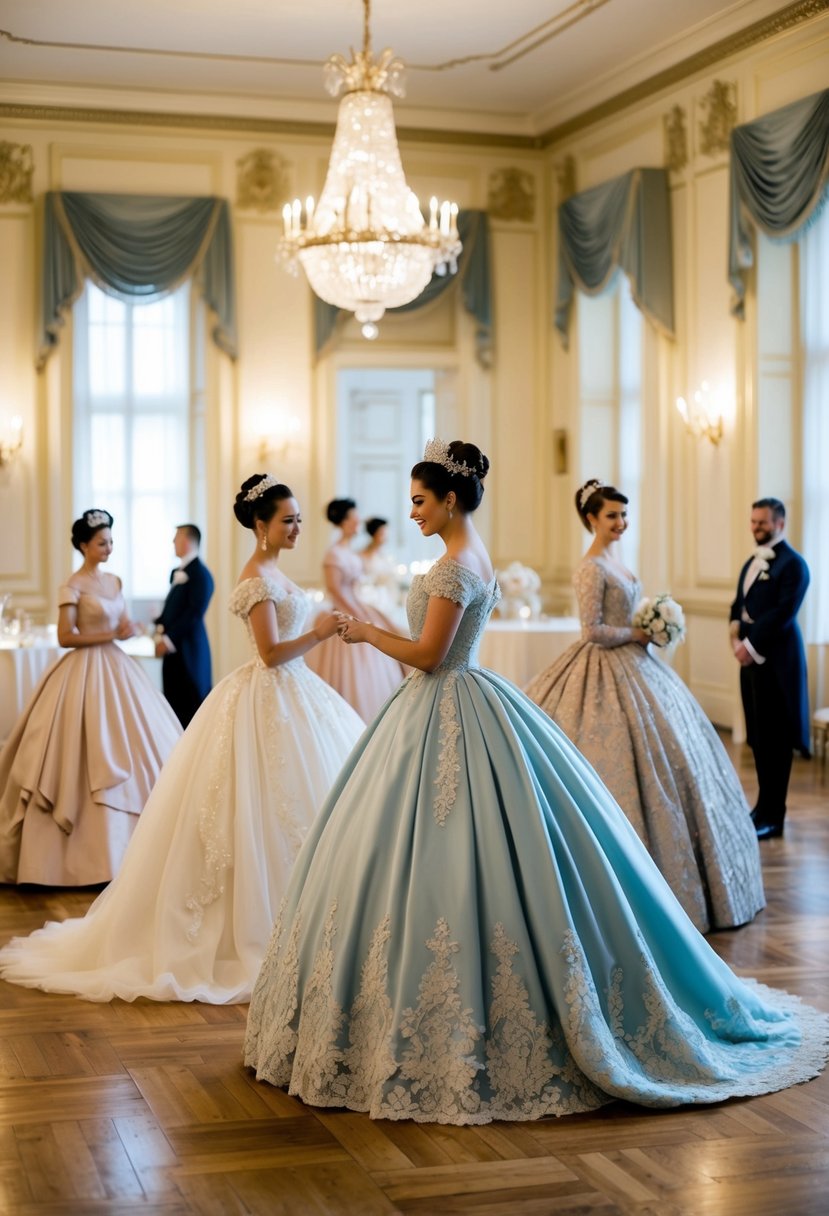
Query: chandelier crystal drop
[[365, 246]]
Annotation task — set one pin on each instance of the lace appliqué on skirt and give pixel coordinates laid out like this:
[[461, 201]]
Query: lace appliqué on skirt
[[448, 768]]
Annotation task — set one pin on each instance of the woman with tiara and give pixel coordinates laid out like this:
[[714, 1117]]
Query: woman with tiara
[[473, 930], [82, 759], [366, 680], [647, 737], [189, 915]]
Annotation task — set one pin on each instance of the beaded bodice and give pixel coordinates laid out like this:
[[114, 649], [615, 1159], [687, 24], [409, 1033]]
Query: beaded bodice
[[450, 580], [607, 600], [291, 608]]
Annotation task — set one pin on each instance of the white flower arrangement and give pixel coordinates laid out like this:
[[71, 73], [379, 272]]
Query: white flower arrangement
[[763, 555], [520, 586], [662, 619]]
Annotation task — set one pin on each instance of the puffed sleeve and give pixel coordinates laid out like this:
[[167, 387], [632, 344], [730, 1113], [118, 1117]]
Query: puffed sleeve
[[589, 582], [451, 581], [250, 592], [67, 594]]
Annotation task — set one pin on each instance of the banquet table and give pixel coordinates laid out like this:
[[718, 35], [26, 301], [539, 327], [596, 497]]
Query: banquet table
[[23, 666], [520, 649]]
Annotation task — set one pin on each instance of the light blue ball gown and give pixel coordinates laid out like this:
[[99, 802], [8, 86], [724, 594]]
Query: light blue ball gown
[[473, 930]]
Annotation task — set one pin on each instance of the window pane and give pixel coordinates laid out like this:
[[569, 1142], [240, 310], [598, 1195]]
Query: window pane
[[160, 362], [107, 433]]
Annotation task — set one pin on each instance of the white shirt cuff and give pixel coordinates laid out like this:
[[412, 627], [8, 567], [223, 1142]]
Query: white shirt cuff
[[758, 658]]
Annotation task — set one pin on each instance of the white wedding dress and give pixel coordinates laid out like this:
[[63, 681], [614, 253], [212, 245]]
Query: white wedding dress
[[190, 913]]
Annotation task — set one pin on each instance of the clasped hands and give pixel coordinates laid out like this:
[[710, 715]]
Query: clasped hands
[[352, 630]]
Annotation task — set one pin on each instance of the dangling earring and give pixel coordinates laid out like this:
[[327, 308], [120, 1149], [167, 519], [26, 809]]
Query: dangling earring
[[264, 544], [451, 516]]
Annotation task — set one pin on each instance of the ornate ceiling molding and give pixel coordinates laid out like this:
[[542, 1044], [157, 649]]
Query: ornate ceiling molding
[[778, 23]]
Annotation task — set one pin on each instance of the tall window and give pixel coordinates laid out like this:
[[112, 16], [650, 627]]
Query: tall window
[[814, 331], [137, 428], [610, 379]]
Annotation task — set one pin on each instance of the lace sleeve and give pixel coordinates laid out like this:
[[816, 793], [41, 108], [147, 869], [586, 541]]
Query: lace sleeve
[[450, 581], [67, 594], [589, 582], [250, 592]]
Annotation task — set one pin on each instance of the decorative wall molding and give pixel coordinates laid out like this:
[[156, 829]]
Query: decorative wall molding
[[262, 180], [676, 139], [566, 178], [511, 195], [16, 170], [720, 105]]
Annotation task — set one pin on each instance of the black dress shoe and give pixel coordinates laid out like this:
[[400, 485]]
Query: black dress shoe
[[768, 831]]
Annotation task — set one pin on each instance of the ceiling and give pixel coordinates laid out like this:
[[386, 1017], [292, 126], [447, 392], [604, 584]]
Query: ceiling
[[518, 68]]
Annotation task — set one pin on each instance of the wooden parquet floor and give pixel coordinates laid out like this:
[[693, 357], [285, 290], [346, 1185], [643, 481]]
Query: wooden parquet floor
[[145, 1108]]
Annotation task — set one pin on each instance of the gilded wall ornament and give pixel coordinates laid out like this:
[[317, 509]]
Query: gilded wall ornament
[[715, 129], [511, 195], [16, 170], [566, 178], [262, 182], [676, 139]]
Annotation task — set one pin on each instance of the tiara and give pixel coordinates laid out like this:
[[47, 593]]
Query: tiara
[[587, 492], [261, 486], [437, 452], [94, 519]]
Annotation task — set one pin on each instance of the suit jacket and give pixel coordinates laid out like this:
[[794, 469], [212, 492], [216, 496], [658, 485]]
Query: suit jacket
[[772, 603], [182, 619]]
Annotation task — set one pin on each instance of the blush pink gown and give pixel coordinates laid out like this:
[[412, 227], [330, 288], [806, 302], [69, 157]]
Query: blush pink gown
[[82, 759], [362, 676]]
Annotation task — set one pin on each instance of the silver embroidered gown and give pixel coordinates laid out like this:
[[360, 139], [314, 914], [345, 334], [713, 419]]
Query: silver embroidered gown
[[190, 913], [656, 751], [474, 931]]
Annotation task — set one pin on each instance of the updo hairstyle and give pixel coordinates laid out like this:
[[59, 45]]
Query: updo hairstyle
[[92, 521], [337, 510], [263, 507], [594, 502], [468, 487], [374, 525]]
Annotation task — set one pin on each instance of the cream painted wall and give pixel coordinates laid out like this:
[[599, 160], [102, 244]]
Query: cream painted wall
[[696, 533]]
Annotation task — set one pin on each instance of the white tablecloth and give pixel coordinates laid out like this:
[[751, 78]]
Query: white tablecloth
[[519, 650], [22, 668]]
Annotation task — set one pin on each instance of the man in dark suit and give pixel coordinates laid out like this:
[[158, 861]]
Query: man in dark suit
[[768, 646], [181, 638]]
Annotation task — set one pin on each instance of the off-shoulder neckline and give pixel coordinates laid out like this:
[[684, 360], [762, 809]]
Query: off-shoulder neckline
[[271, 582], [446, 561]]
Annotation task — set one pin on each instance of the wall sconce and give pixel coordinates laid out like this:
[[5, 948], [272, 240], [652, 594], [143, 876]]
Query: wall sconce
[[703, 418], [11, 443], [283, 432]]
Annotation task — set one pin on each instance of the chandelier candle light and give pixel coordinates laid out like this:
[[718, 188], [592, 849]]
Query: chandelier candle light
[[365, 246]]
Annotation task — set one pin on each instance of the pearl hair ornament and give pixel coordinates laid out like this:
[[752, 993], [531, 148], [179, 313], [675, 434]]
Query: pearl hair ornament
[[437, 452], [587, 492], [261, 486], [94, 519]]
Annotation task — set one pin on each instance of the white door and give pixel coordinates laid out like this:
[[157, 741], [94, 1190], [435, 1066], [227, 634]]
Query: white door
[[385, 416]]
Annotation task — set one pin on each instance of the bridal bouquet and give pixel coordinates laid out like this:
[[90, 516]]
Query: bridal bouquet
[[662, 619], [520, 586]]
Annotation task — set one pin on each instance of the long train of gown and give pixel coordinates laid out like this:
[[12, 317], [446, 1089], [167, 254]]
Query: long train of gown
[[648, 739], [474, 931], [363, 676], [82, 759], [189, 915]]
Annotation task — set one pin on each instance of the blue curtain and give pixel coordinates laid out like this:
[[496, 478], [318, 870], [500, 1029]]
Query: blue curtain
[[779, 175], [475, 284], [622, 225], [137, 246]]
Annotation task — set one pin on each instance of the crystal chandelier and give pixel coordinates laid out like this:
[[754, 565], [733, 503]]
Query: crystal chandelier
[[365, 246]]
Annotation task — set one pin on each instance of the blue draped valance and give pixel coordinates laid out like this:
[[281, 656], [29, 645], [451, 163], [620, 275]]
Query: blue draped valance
[[473, 276], [624, 224], [779, 175], [135, 246]]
